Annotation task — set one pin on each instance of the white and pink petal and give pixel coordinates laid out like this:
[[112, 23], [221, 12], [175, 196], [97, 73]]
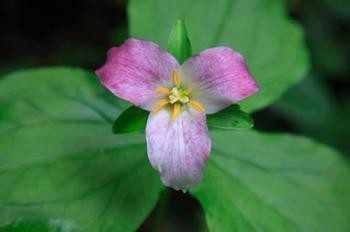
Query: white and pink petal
[[219, 77], [178, 149], [135, 69]]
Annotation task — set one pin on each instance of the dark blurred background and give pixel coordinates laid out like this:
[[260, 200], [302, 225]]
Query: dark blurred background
[[79, 32], [59, 32]]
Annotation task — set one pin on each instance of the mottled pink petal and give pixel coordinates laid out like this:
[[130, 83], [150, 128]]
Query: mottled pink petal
[[219, 77], [135, 69], [178, 149]]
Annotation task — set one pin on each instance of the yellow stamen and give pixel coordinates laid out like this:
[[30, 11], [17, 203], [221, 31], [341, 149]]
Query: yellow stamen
[[187, 91], [176, 111], [176, 78], [159, 105], [163, 90], [172, 99], [196, 105], [175, 97]]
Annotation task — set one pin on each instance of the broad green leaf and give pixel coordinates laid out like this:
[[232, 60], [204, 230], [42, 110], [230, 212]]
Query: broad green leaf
[[132, 119], [53, 225], [259, 29], [274, 182], [60, 161], [313, 110], [178, 43], [230, 118]]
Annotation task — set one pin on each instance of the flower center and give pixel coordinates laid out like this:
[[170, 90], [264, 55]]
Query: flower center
[[176, 97], [178, 94]]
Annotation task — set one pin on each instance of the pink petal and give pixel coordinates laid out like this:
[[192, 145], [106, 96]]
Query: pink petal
[[178, 149], [135, 69], [219, 77]]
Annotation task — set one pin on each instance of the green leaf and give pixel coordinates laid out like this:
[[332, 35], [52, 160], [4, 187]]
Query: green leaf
[[274, 182], [230, 118], [60, 165], [259, 29], [132, 119], [313, 110], [178, 43], [59, 160], [55, 225]]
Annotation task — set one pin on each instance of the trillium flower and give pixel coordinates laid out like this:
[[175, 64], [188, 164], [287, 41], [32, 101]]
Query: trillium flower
[[178, 98]]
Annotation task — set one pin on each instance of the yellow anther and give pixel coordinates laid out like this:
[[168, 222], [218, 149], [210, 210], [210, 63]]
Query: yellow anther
[[187, 91], [196, 105], [173, 99], [163, 90], [159, 105], [183, 99], [176, 111], [176, 78]]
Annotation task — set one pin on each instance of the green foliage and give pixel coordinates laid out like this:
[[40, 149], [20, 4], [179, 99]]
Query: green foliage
[[60, 160], [314, 112], [230, 118], [61, 167], [271, 43], [53, 225], [132, 119], [178, 43], [265, 182]]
